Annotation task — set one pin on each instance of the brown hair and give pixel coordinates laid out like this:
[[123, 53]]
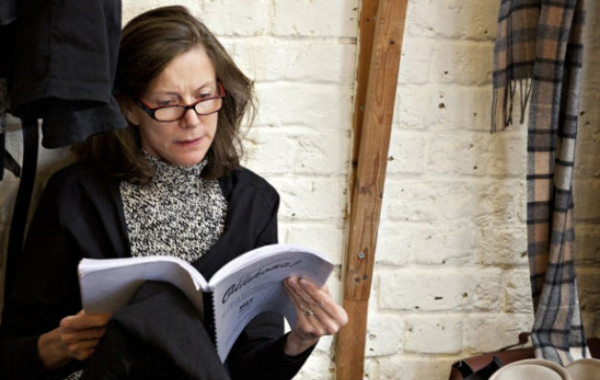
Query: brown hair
[[148, 43]]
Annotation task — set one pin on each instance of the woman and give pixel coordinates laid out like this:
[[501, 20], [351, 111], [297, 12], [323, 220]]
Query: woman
[[171, 182]]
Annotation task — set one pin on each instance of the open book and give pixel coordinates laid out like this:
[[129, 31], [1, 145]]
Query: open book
[[240, 290]]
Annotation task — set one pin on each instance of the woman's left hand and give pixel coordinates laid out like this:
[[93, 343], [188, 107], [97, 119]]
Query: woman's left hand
[[318, 315]]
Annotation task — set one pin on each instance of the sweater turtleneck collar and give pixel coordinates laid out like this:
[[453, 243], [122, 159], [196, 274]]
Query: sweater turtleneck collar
[[167, 173]]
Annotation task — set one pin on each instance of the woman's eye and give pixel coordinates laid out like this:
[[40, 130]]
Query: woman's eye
[[204, 96], [165, 103]]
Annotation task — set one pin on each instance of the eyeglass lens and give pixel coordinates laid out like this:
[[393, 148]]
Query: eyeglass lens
[[203, 107]]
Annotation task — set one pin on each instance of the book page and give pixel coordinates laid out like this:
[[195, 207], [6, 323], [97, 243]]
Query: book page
[[107, 284], [252, 284]]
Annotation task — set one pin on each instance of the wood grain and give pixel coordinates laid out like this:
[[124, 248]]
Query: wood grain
[[368, 185]]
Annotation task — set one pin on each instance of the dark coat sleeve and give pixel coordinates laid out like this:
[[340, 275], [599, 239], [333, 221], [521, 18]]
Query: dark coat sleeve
[[43, 290], [45, 287]]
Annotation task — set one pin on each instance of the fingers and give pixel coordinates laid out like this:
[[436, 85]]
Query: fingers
[[82, 332], [74, 336], [83, 349], [319, 300], [318, 313], [82, 321]]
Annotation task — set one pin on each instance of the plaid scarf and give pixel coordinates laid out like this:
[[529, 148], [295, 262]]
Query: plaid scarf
[[539, 52]]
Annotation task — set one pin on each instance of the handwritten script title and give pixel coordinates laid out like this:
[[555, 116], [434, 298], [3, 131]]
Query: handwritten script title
[[253, 276]]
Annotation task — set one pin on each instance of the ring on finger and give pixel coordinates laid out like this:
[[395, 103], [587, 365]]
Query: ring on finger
[[309, 312]]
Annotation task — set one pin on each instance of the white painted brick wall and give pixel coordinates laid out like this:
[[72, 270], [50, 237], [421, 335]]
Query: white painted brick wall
[[451, 260], [451, 275], [434, 334]]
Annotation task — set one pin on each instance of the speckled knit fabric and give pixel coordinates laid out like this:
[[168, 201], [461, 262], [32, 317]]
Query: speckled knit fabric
[[74, 376], [177, 214]]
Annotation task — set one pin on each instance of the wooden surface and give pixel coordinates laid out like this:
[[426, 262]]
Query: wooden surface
[[366, 30], [368, 184]]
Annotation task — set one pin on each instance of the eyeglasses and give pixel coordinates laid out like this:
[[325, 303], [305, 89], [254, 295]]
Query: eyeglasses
[[206, 106]]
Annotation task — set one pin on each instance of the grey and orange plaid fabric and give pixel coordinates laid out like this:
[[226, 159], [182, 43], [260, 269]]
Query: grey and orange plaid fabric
[[538, 58]]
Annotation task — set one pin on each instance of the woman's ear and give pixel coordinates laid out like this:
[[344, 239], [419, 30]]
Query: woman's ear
[[130, 110]]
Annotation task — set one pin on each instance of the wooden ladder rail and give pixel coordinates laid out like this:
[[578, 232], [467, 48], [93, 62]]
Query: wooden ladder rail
[[372, 128]]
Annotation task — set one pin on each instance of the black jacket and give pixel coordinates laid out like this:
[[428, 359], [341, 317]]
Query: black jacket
[[80, 214]]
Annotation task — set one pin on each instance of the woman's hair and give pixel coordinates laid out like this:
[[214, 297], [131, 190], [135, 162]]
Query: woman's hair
[[148, 43]]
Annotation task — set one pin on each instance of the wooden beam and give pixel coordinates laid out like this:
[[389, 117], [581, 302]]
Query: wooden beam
[[366, 30], [368, 185]]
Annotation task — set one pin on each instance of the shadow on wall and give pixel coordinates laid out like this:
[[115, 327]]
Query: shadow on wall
[[587, 179]]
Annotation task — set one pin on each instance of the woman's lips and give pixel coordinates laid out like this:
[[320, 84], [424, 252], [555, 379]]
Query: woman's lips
[[189, 143]]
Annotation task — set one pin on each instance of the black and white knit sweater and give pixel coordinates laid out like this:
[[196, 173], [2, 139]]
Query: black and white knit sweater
[[177, 214]]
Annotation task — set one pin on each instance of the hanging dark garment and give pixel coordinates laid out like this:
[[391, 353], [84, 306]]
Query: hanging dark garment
[[6, 160], [8, 11], [60, 67], [8, 14], [64, 57]]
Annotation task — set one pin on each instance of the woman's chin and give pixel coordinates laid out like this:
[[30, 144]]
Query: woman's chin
[[188, 160]]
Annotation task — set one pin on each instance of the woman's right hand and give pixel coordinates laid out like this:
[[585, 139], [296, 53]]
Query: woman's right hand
[[76, 338]]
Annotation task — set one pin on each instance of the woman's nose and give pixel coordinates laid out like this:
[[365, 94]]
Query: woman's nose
[[190, 119]]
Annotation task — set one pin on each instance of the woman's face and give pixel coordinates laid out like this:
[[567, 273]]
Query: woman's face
[[188, 78]]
